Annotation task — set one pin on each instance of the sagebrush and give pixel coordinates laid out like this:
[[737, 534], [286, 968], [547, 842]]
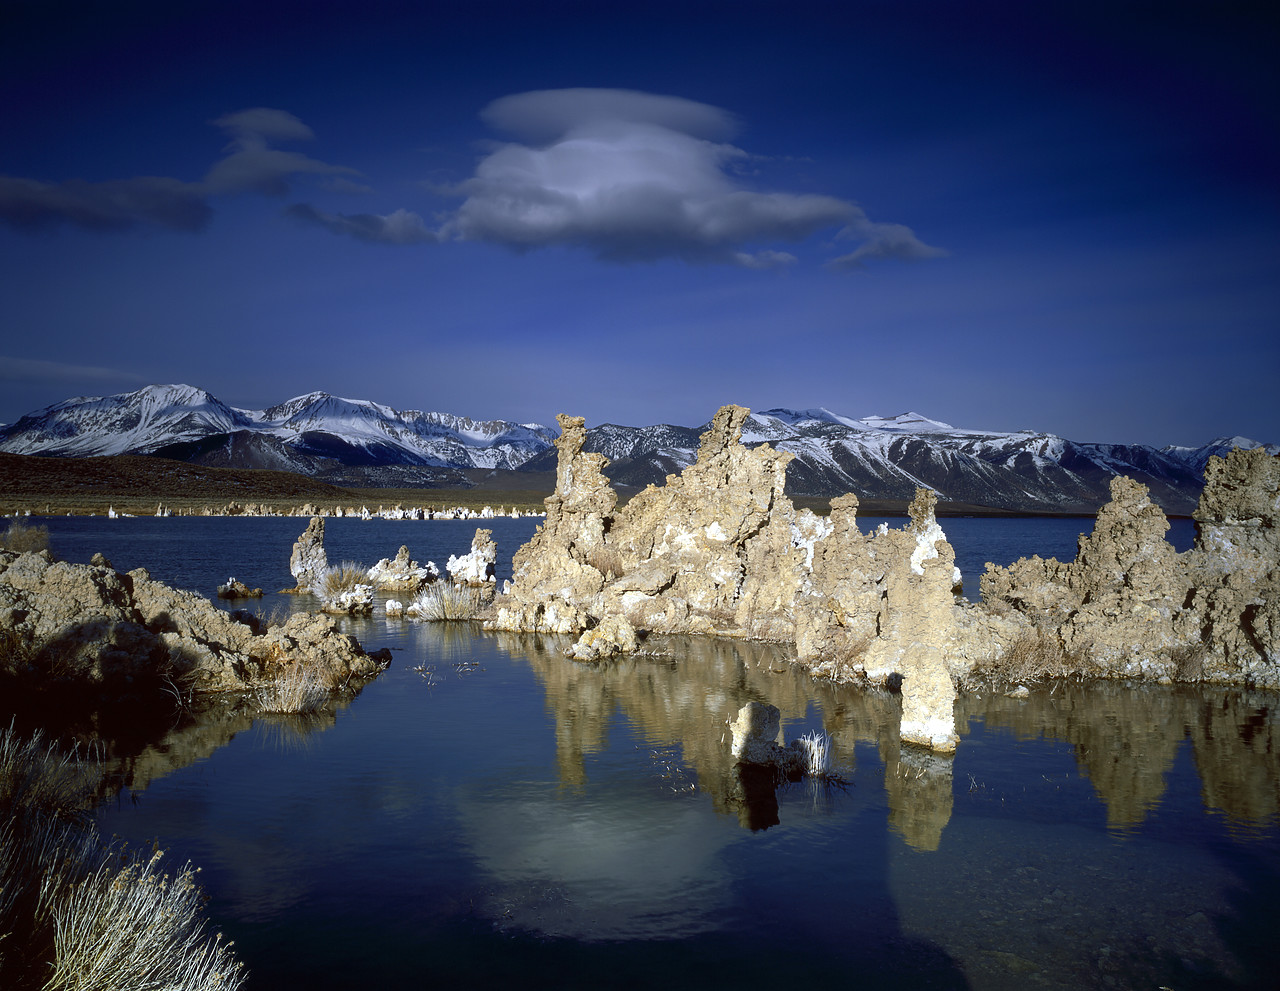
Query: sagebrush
[[77, 915]]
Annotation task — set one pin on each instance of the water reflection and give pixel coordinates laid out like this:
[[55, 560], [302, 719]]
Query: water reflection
[[1126, 739]]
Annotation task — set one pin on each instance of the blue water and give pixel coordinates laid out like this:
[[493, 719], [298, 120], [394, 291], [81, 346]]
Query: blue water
[[489, 814]]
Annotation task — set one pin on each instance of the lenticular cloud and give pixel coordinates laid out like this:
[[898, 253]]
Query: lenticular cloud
[[631, 177]]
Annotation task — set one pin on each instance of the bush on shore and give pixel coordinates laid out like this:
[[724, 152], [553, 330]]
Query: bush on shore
[[77, 915], [21, 538]]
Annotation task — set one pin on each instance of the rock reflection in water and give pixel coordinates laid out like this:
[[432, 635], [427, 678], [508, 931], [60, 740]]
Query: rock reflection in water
[[1126, 739], [686, 689]]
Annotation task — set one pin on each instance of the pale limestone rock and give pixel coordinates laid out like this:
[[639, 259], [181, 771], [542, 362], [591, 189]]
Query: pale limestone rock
[[477, 567], [755, 734], [720, 549], [401, 574], [354, 601], [84, 626], [308, 563], [1130, 606], [233, 589], [613, 635]]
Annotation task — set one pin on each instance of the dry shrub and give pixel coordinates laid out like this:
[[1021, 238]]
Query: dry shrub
[[1188, 661], [278, 616], [1035, 655], [21, 538], [447, 601], [344, 577], [74, 914], [607, 561], [299, 688]]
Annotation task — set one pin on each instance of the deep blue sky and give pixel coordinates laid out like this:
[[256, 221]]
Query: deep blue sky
[[1058, 216]]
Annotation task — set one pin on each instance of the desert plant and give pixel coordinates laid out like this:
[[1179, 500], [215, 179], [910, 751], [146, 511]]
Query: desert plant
[[299, 688], [447, 601], [278, 616], [1188, 661], [607, 561], [74, 915], [344, 577], [127, 925], [816, 748], [21, 538]]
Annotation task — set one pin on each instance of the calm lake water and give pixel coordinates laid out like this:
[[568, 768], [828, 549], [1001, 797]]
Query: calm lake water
[[490, 814]]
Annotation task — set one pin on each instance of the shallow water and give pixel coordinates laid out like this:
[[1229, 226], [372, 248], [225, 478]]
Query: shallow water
[[489, 813]]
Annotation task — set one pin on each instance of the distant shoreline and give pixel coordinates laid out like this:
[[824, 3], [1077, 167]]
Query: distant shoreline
[[138, 485]]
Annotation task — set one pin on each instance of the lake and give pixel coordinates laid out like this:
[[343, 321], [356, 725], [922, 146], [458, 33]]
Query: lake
[[489, 814]]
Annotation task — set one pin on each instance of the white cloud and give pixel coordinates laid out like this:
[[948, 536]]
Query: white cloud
[[637, 177], [629, 176]]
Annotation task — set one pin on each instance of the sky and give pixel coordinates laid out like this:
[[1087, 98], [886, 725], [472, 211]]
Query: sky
[[1056, 216]]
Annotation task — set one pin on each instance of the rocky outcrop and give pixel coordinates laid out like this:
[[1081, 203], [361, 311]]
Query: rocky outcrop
[[309, 563], [476, 568], [1129, 605], [89, 627], [720, 549], [401, 574], [234, 589]]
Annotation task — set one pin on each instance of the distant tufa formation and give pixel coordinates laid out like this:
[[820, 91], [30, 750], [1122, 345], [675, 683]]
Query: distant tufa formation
[[719, 549], [89, 627]]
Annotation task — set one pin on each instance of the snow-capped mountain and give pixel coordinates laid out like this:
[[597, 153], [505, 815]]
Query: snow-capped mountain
[[131, 422], [364, 442], [182, 421], [889, 457]]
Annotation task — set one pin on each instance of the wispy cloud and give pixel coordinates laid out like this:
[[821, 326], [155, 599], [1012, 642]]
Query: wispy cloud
[[116, 204], [624, 175], [400, 227], [31, 370], [250, 165], [882, 241]]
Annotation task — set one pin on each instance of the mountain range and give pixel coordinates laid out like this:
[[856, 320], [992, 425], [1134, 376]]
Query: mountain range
[[358, 442]]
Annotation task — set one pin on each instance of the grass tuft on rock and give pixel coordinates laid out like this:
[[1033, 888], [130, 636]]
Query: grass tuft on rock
[[447, 601]]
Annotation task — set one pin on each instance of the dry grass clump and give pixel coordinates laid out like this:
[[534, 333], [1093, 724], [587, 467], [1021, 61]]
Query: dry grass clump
[[447, 601], [607, 561], [127, 925], [816, 750], [21, 538], [1035, 655], [344, 577], [300, 688], [1188, 661], [76, 915]]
